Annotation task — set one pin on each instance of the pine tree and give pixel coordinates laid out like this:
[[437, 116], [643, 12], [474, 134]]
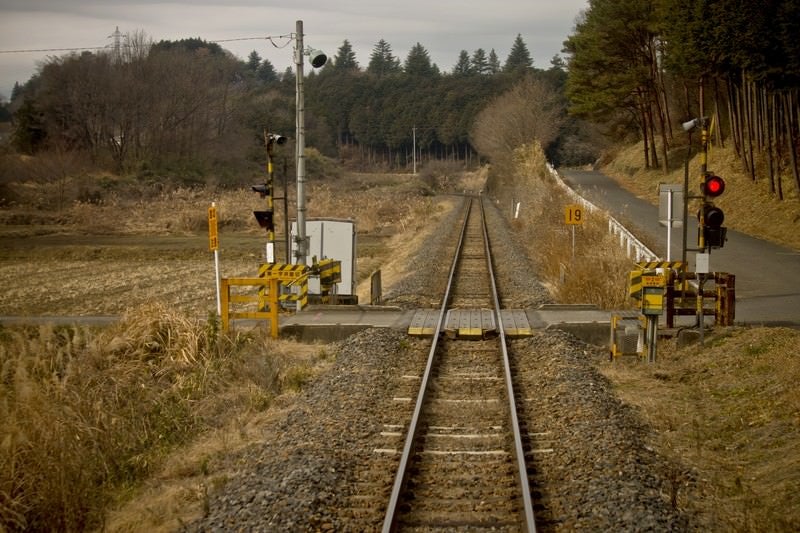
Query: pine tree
[[381, 61], [288, 76], [463, 67], [253, 61], [480, 65], [558, 63], [266, 72], [418, 62], [345, 57], [494, 62], [519, 59], [614, 67]]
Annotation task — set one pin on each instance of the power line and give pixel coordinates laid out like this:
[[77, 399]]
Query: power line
[[271, 38], [30, 50]]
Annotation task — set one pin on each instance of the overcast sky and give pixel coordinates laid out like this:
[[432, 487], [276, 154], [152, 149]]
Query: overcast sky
[[443, 27]]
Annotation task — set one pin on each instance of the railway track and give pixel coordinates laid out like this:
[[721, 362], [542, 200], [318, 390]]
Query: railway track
[[463, 463], [331, 460]]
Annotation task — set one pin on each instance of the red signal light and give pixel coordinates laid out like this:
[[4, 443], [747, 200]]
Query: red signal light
[[713, 185]]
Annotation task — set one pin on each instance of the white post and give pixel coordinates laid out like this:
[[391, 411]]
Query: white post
[[573, 242], [216, 270], [669, 226], [216, 273]]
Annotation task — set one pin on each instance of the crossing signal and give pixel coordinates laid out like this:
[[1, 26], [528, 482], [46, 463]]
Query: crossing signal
[[715, 237], [713, 216], [713, 185], [265, 219], [710, 216], [714, 234]]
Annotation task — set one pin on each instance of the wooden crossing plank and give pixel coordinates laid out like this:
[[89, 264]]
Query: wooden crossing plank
[[470, 323]]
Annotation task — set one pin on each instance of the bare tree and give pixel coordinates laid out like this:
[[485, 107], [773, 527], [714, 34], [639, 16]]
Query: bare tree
[[530, 111]]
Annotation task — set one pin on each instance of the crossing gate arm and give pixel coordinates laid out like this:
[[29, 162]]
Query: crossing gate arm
[[289, 276]]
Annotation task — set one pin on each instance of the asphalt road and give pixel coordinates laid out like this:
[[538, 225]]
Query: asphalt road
[[767, 275]]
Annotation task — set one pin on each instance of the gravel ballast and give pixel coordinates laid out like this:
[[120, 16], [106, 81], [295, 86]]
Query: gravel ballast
[[317, 468]]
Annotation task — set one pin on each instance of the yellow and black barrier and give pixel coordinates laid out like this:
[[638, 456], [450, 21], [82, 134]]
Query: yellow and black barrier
[[669, 269], [267, 301], [680, 295], [330, 273], [269, 281], [293, 276]]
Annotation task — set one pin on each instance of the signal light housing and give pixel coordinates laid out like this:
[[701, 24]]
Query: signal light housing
[[265, 219], [715, 237], [713, 185], [713, 216], [710, 216]]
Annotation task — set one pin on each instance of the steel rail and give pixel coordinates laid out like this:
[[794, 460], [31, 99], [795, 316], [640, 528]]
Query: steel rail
[[411, 437], [402, 469], [519, 452]]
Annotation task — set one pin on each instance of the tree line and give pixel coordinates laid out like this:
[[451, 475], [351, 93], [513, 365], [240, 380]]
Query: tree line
[[387, 108], [648, 65], [172, 103], [141, 105]]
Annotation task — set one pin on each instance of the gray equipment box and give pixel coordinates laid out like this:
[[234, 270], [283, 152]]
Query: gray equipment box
[[331, 238]]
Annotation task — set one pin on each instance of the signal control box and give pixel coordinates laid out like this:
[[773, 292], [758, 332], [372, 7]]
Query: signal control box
[[648, 286]]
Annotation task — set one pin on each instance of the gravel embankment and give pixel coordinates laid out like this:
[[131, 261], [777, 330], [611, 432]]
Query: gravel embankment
[[317, 469]]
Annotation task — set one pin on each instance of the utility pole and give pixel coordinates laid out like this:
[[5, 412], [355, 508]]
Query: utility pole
[[414, 145], [301, 252]]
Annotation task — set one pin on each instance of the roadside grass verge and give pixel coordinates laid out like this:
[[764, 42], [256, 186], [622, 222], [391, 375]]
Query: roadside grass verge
[[85, 414], [729, 413], [595, 269]]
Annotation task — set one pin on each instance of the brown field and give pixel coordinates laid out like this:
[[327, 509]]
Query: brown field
[[101, 259]]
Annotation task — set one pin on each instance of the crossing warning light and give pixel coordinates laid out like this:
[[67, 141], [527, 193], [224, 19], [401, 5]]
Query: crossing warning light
[[715, 237], [713, 185], [265, 219], [710, 216]]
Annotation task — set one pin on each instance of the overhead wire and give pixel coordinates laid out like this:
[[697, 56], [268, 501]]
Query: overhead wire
[[287, 38]]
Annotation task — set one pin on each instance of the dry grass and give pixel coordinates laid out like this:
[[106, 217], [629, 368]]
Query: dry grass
[[85, 413], [749, 206], [595, 270], [730, 413], [136, 418], [378, 203]]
